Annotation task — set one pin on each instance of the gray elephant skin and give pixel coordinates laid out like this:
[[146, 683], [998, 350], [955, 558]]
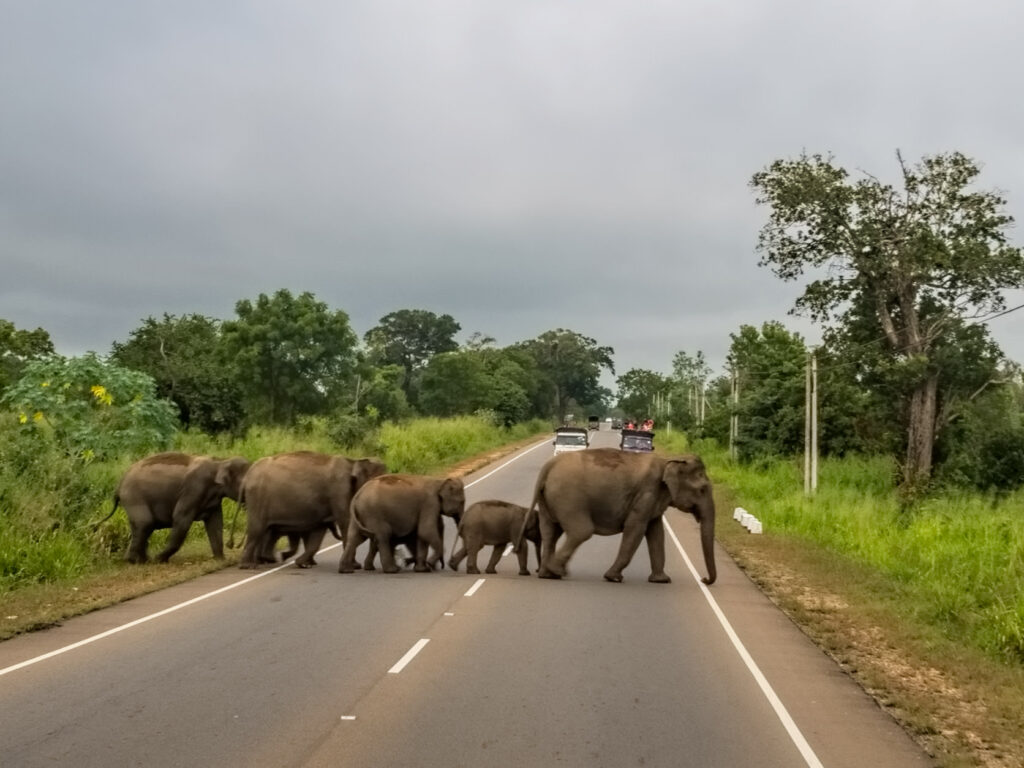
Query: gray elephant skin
[[390, 508], [498, 524], [302, 494], [608, 491], [173, 490]]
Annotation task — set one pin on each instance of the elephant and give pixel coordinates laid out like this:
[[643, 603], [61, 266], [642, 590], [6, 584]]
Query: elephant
[[608, 491], [391, 507], [495, 523], [173, 490], [300, 495]]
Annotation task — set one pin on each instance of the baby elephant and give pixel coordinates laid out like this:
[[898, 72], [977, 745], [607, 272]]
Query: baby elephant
[[496, 523]]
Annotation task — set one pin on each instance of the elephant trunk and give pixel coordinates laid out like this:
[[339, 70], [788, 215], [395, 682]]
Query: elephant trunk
[[705, 512]]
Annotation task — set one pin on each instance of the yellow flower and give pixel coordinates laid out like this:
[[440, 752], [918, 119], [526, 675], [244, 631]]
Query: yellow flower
[[22, 418], [101, 394], [45, 384], [37, 416]]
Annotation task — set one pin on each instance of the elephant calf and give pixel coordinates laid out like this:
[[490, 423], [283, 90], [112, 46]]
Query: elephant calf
[[496, 523], [173, 490], [391, 507]]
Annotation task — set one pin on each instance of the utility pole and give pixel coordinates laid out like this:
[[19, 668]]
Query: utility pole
[[811, 424], [734, 421]]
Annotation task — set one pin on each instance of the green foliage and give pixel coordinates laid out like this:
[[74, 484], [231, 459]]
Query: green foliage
[[957, 562], [409, 338], [908, 266], [17, 347], [637, 390], [476, 378], [90, 408], [770, 365], [292, 355], [569, 368], [184, 357]]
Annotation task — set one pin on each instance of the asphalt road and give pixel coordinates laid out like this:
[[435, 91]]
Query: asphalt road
[[313, 668]]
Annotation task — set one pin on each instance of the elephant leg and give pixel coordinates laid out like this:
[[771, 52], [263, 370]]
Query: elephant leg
[[495, 557], [656, 550], [473, 544], [632, 532], [254, 546], [293, 547], [311, 541], [524, 559], [347, 564], [458, 557], [430, 539], [550, 531], [387, 553], [141, 531], [575, 535], [370, 555], [179, 531], [536, 548]]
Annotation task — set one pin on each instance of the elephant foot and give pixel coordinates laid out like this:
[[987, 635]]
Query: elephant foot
[[423, 568], [613, 577], [343, 568], [489, 570], [545, 573], [524, 572], [472, 570], [357, 566], [308, 564], [392, 569], [248, 566], [659, 578], [368, 567], [453, 566]]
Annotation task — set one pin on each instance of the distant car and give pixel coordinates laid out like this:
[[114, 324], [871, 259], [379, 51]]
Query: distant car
[[616, 423], [636, 441], [594, 422], [571, 439]]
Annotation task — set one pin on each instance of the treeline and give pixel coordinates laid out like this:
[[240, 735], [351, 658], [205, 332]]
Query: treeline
[[284, 358]]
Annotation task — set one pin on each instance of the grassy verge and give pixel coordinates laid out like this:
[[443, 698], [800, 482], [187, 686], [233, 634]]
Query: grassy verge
[[56, 563], [922, 608]]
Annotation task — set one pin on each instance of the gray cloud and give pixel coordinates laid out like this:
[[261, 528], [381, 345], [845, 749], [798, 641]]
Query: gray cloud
[[521, 166]]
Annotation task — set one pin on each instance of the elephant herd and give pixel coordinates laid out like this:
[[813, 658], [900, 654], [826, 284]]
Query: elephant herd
[[302, 495]]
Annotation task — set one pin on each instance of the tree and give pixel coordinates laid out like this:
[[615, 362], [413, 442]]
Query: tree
[[921, 259], [18, 347], [637, 389], [690, 374], [90, 408], [291, 354], [409, 338], [571, 365], [769, 365], [184, 357]]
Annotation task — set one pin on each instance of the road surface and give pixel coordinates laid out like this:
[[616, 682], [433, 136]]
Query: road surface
[[293, 667]]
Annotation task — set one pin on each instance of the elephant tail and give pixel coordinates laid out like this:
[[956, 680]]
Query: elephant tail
[[529, 519], [113, 509], [234, 516]]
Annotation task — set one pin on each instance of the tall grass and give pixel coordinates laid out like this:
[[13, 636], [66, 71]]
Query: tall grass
[[51, 504], [956, 561]]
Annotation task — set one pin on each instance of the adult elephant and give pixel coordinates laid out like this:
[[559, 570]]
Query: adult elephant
[[392, 507], [498, 524], [173, 490], [300, 495], [608, 491]]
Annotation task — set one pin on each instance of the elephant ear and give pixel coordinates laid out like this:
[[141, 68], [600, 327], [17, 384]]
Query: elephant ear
[[452, 495], [229, 475], [687, 482], [363, 470]]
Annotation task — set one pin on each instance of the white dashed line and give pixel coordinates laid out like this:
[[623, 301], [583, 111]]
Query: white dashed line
[[475, 587], [409, 656]]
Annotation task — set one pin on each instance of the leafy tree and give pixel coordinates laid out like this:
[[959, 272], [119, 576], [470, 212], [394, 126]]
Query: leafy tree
[[409, 338], [476, 378], [184, 357], [769, 365], [570, 364], [291, 354], [922, 259], [690, 375], [17, 347], [90, 407], [637, 389]]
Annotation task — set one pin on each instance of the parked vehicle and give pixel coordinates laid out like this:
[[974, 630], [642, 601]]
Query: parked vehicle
[[616, 424], [636, 440], [593, 422], [571, 439]]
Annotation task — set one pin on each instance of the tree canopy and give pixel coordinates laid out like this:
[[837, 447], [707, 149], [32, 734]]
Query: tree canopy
[[409, 338], [921, 260], [570, 365], [18, 347]]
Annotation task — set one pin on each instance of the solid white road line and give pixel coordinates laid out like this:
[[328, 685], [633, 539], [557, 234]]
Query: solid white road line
[[479, 583], [514, 458], [143, 620], [409, 655], [780, 710]]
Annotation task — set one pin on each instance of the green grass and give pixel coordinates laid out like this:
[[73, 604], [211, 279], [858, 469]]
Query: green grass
[[955, 562]]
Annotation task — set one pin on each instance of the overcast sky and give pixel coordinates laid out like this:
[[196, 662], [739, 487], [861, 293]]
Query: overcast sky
[[521, 165]]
